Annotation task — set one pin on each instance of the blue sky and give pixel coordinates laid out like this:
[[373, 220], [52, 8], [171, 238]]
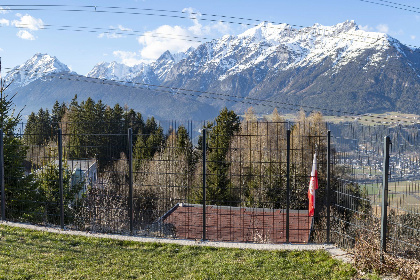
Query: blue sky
[[116, 34]]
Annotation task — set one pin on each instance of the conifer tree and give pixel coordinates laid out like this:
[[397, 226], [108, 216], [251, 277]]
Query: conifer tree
[[57, 114], [135, 121], [150, 127], [38, 130], [30, 128], [148, 143], [219, 189], [48, 192], [116, 126], [18, 187]]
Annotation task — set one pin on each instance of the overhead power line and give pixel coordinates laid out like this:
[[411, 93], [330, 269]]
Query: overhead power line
[[118, 31], [122, 32], [225, 97], [153, 12], [394, 5], [403, 5], [219, 96]]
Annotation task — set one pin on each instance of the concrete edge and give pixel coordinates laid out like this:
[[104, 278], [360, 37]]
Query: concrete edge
[[335, 252]]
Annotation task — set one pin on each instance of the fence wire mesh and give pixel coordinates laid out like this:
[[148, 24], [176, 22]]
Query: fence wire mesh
[[156, 187], [245, 181], [359, 199]]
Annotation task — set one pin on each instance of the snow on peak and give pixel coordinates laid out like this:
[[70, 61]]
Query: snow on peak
[[182, 55], [116, 71], [34, 68], [166, 56], [265, 31], [346, 26], [304, 46], [285, 46], [230, 54]]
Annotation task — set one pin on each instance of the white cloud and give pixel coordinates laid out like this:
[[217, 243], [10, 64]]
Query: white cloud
[[122, 28], [413, 37], [383, 28], [194, 16], [128, 58], [1, 50], [28, 22], [366, 27], [4, 21], [115, 32], [199, 29], [110, 35], [177, 38], [26, 35], [165, 37]]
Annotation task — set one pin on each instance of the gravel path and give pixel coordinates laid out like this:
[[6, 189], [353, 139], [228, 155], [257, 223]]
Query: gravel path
[[331, 249]]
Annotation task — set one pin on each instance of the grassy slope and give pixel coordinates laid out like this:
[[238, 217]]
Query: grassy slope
[[26, 254]]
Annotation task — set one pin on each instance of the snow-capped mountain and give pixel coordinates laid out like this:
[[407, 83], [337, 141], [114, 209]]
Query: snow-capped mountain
[[154, 72], [280, 47], [293, 47], [36, 67], [339, 67], [116, 71]]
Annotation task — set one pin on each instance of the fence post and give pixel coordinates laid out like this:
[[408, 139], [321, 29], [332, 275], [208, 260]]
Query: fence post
[[288, 186], [384, 216], [328, 183], [60, 176], [130, 179], [3, 195], [204, 183]]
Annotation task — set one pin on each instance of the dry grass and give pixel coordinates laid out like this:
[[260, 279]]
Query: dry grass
[[368, 258]]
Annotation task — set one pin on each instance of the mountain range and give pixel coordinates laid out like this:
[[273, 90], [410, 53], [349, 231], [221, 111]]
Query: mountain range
[[336, 69]]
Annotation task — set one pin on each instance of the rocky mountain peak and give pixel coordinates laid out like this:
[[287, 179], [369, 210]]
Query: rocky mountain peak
[[34, 68]]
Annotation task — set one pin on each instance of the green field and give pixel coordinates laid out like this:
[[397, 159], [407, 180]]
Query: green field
[[368, 119], [27, 254], [374, 119], [401, 194]]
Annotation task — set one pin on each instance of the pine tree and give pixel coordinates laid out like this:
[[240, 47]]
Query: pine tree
[[73, 129], [155, 142], [57, 114], [48, 192], [135, 121], [30, 129], [218, 183], [19, 188], [150, 127], [116, 122], [148, 143], [43, 132]]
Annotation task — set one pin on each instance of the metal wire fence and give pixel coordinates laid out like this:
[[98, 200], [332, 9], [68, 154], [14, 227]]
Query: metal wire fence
[[364, 188], [241, 181], [247, 184]]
